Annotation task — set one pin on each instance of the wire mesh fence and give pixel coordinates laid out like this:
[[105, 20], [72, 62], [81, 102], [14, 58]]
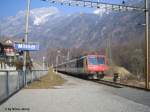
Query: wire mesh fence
[[12, 81]]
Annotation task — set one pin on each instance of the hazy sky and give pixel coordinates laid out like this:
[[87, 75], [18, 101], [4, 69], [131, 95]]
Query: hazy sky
[[11, 7]]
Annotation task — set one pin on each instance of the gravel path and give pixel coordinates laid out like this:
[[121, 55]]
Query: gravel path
[[75, 95]]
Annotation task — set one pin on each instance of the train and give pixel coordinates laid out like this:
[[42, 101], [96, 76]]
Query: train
[[89, 66]]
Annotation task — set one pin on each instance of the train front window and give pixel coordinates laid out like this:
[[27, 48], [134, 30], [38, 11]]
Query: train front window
[[100, 60], [92, 60]]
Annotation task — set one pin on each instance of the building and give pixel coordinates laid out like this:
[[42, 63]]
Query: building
[[10, 52], [8, 55], [2, 56], [11, 58]]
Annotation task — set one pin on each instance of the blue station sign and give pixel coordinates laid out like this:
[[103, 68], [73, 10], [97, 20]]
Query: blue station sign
[[27, 46]]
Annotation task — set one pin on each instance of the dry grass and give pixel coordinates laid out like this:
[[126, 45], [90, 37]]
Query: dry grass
[[110, 78], [49, 81]]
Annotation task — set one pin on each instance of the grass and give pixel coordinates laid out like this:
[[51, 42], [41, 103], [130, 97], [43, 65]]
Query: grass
[[48, 81]]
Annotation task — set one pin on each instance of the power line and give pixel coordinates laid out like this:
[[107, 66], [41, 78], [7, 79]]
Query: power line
[[97, 5]]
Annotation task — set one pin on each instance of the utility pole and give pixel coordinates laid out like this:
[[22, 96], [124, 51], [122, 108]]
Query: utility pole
[[56, 62], [146, 45], [68, 55], [26, 39], [43, 63], [58, 52], [109, 52], [0, 32]]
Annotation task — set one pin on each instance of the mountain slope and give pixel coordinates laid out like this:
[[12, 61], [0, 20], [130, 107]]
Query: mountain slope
[[52, 28]]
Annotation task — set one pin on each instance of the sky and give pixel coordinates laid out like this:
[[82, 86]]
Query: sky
[[12, 7]]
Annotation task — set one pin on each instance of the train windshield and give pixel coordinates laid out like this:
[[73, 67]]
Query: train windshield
[[100, 60], [96, 60], [92, 60]]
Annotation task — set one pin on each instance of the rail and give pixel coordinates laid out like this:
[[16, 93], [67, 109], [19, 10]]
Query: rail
[[111, 83], [120, 85], [12, 81]]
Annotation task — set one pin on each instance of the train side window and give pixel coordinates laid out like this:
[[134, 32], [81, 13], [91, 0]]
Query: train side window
[[80, 63]]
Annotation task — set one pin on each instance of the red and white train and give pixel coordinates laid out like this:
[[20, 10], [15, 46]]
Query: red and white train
[[89, 66]]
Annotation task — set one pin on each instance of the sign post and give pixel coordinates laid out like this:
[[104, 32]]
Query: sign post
[[26, 47]]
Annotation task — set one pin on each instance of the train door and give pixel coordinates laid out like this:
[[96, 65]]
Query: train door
[[85, 65]]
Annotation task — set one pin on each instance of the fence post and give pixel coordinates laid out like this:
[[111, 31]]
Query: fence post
[[24, 77], [18, 81], [31, 76], [7, 83], [36, 75]]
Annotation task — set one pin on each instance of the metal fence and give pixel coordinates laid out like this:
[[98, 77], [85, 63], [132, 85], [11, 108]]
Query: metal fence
[[12, 81]]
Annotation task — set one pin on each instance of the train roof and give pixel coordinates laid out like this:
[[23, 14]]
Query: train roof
[[97, 55]]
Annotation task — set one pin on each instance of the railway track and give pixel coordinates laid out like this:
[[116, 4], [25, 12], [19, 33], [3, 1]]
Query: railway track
[[119, 85], [107, 83], [112, 84]]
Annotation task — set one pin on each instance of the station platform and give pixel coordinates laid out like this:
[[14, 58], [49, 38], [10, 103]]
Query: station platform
[[77, 95]]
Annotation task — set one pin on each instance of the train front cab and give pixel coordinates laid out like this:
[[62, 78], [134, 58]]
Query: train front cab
[[96, 66]]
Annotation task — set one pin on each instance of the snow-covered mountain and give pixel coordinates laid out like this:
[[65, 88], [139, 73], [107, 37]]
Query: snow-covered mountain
[[52, 28], [15, 25], [50, 24], [41, 15]]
